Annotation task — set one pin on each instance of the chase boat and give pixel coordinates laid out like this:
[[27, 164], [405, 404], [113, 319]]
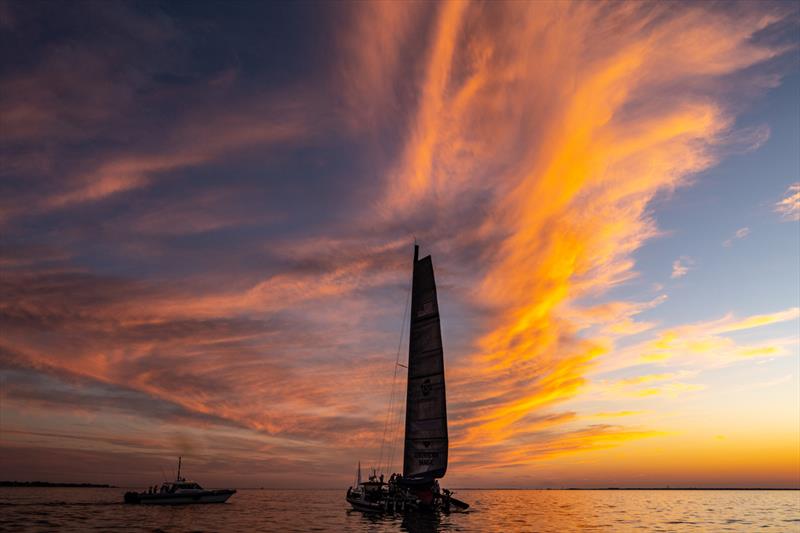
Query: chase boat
[[179, 492]]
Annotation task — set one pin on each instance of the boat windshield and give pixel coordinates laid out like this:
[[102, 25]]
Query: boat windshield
[[172, 487]]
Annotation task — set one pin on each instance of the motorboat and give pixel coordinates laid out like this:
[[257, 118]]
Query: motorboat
[[179, 492]]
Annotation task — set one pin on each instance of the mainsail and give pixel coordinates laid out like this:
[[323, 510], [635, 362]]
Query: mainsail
[[425, 453]]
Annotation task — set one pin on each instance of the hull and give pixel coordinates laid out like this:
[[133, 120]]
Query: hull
[[207, 496], [361, 505], [408, 503]]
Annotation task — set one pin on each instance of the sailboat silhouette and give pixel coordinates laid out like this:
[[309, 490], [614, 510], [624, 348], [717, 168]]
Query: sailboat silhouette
[[426, 441]]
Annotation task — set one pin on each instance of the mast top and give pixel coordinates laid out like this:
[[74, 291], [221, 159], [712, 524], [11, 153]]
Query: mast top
[[416, 251]]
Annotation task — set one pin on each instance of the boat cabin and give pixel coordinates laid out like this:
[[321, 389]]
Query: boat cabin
[[180, 486], [373, 486]]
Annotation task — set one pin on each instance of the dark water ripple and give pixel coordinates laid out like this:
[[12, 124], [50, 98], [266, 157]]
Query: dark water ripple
[[80, 509]]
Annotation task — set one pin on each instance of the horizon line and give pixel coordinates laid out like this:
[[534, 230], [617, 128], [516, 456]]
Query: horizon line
[[45, 484]]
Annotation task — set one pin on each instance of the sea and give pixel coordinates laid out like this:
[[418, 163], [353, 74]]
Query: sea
[[101, 509]]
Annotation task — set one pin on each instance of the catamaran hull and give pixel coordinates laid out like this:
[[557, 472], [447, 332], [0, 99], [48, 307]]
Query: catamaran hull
[[399, 505], [385, 506], [368, 507], [209, 496]]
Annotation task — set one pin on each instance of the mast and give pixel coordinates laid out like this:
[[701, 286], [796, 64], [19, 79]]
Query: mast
[[179, 468], [426, 443]]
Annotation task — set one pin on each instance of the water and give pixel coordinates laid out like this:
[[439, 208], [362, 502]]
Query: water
[[75, 509]]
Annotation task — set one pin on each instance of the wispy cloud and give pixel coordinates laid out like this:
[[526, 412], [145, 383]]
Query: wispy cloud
[[703, 345], [741, 233], [221, 239], [681, 267], [568, 204], [789, 206]]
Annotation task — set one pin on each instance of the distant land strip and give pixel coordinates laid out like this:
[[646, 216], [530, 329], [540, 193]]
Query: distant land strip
[[49, 484]]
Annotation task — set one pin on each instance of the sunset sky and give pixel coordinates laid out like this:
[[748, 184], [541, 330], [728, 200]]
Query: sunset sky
[[207, 213]]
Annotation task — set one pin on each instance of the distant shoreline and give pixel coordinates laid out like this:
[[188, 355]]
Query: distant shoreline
[[45, 484]]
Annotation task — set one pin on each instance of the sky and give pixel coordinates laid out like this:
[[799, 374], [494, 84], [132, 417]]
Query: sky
[[207, 217]]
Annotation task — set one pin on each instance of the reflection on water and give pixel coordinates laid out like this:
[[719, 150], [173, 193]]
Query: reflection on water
[[27, 509]]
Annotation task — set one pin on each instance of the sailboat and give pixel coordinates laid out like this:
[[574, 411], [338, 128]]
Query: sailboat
[[426, 443]]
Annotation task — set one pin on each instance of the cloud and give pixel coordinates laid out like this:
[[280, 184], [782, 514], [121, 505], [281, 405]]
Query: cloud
[[565, 177], [644, 386], [703, 345], [593, 437], [730, 324], [648, 378], [88, 111], [617, 318], [789, 207], [100, 330], [218, 233], [615, 414], [200, 139], [681, 267], [670, 389], [741, 233]]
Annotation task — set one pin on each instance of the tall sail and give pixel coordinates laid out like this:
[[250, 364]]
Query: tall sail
[[425, 453]]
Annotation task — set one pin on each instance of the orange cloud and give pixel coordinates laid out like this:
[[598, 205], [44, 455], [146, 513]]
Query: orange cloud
[[703, 345], [199, 140], [729, 324], [595, 437], [563, 147], [533, 138]]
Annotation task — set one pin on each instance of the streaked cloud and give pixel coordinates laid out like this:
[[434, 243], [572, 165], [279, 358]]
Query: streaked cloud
[[216, 237], [703, 345], [741, 233], [789, 206], [615, 414]]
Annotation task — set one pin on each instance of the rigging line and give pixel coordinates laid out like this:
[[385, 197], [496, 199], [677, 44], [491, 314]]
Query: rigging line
[[394, 425], [395, 431], [398, 423], [394, 376], [393, 394]]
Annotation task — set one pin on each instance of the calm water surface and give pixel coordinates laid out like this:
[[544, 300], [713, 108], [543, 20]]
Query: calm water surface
[[73, 509]]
